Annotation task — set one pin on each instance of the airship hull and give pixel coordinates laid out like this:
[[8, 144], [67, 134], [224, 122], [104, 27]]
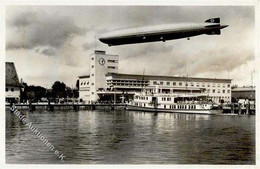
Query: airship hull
[[154, 34]]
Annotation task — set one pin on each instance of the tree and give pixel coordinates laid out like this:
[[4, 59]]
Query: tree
[[30, 95], [59, 89], [77, 84]]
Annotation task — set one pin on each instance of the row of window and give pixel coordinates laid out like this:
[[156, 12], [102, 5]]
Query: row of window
[[109, 67], [7, 89], [181, 106], [191, 84], [111, 61], [84, 83], [166, 99], [128, 81], [141, 97], [118, 84], [219, 91], [220, 97]]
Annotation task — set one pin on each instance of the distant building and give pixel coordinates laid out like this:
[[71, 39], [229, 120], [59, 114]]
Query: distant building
[[105, 81], [243, 93], [12, 85]]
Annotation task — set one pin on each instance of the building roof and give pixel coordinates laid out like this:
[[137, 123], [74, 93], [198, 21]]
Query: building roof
[[170, 78], [11, 77], [244, 89]]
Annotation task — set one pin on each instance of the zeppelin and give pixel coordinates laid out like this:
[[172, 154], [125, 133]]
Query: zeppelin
[[161, 32]]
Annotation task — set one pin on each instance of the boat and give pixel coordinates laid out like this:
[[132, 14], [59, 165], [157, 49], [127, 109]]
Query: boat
[[190, 103]]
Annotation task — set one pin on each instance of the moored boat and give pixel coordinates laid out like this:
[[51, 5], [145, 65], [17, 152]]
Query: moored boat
[[191, 103]]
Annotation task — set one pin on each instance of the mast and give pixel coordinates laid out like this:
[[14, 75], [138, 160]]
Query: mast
[[143, 79]]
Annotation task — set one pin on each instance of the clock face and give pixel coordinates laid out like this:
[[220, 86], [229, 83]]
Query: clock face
[[101, 61]]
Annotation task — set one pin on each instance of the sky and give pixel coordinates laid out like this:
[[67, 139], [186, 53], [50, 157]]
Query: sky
[[49, 43]]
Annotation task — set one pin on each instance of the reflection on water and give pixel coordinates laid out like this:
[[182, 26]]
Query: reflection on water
[[127, 137]]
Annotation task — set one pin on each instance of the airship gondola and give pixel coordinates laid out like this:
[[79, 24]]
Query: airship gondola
[[161, 32]]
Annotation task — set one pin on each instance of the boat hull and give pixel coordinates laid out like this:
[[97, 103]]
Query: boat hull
[[184, 111]]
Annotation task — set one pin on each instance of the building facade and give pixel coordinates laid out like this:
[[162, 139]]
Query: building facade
[[12, 85], [243, 93], [217, 89], [104, 80], [100, 65]]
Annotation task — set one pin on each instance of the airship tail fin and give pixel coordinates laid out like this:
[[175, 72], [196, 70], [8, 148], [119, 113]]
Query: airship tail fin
[[213, 20]]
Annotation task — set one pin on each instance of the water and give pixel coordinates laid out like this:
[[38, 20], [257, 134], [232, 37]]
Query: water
[[127, 137]]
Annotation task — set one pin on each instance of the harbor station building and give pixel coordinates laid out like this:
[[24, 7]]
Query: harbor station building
[[105, 83]]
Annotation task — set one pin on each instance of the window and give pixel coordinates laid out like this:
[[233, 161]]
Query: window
[[198, 85], [203, 85], [6, 89], [111, 67], [92, 93], [213, 85], [92, 66], [218, 85], [84, 83], [213, 90], [81, 83], [191, 84], [208, 85], [168, 83], [180, 83], [208, 90], [174, 83], [218, 91], [161, 83], [92, 84], [12, 89], [92, 74], [92, 58], [224, 85], [112, 61], [228, 91], [154, 83], [228, 85], [223, 91]]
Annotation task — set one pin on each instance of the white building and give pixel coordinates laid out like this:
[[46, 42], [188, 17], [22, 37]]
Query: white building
[[12, 85], [217, 89], [100, 65], [104, 80]]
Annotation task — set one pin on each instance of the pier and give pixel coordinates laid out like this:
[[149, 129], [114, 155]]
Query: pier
[[68, 106]]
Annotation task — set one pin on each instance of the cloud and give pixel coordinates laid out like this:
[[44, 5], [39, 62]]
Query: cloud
[[49, 51], [33, 29], [88, 45], [68, 33]]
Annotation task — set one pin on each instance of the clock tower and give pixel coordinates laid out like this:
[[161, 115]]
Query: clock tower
[[100, 65]]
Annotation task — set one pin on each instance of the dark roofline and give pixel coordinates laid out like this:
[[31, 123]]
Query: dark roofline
[[102, 52], [84, 76], [156, 77]]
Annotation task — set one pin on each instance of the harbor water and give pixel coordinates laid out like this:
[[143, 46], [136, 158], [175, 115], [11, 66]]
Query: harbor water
[[129, 137]]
